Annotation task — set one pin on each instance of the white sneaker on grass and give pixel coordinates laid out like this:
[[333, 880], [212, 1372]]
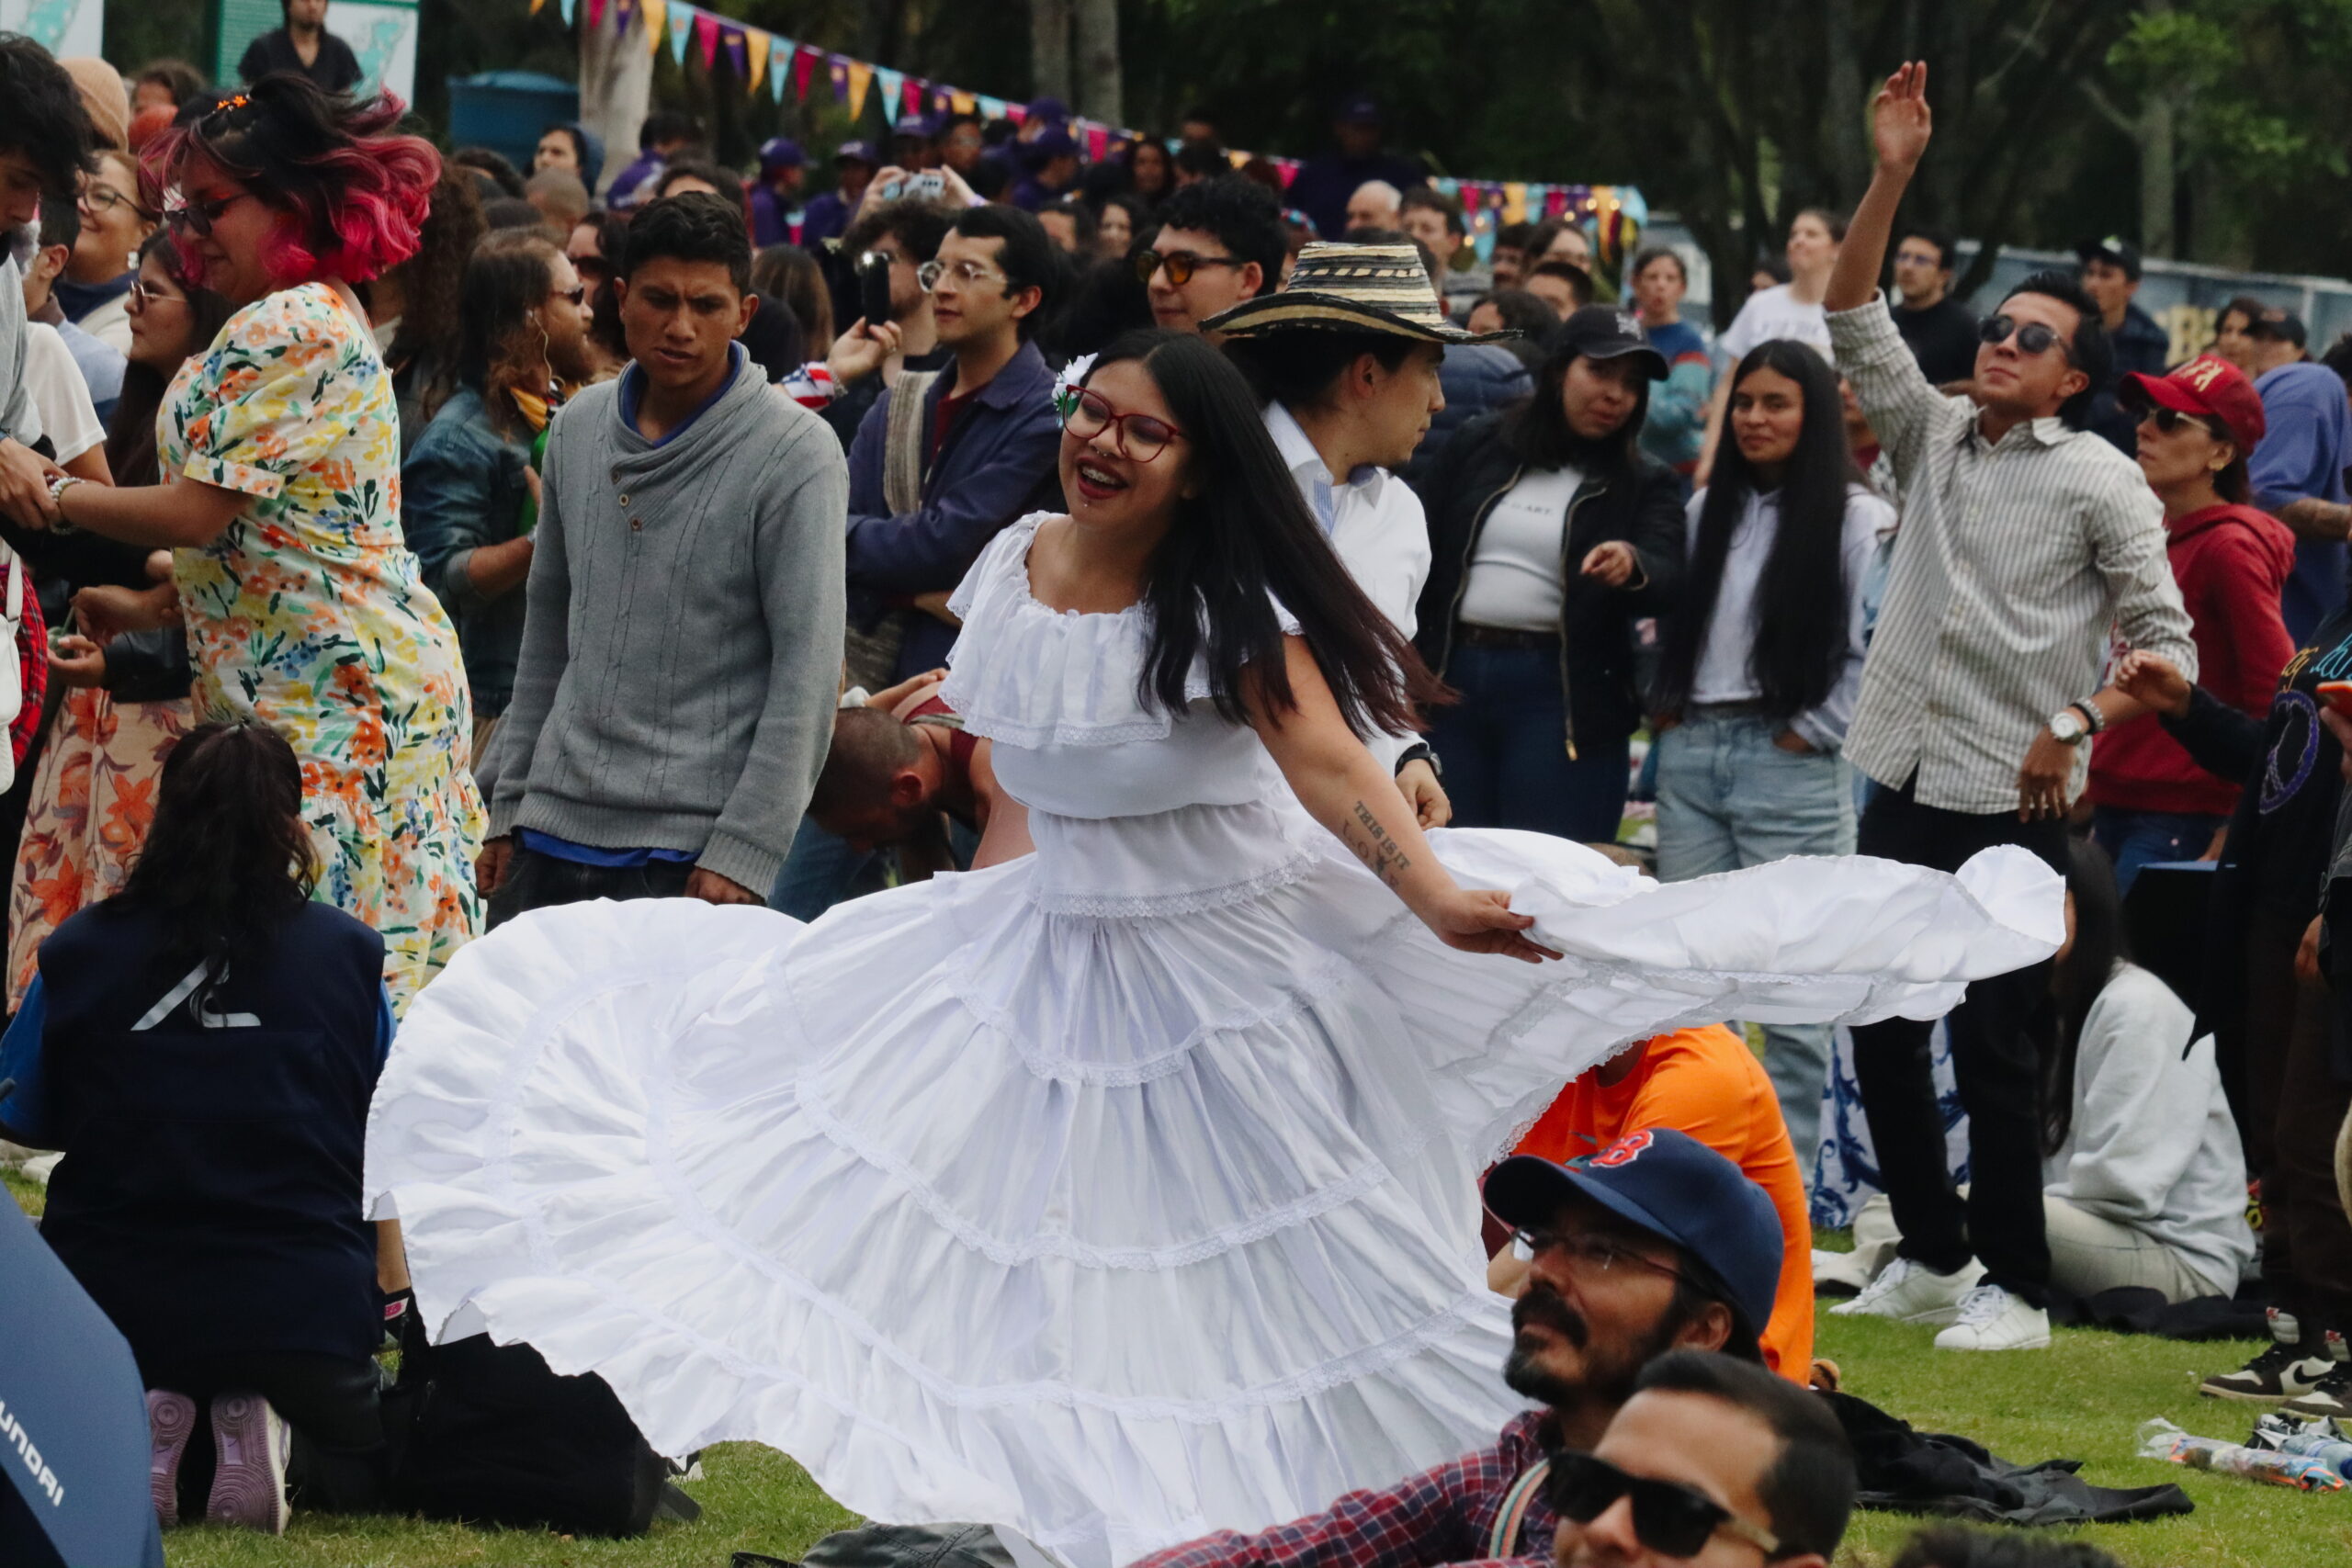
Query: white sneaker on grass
[[1993, 1319], [1909, 1292]]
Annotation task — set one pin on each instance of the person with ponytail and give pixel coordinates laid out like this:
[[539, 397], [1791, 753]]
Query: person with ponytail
[[280, 448], [1177, 1119], [1763, 660], [203, 1046]]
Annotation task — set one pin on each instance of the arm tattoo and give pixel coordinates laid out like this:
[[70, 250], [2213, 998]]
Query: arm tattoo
[[1373, 846]]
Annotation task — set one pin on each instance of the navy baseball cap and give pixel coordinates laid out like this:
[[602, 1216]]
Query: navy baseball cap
[[1054, 143], [781, 152], [2110, 248], [1676, 1188], [857, 151], [1051, 110], [1361, 109]]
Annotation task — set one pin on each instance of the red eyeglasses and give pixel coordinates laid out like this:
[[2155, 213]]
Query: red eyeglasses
[[1139, 436]]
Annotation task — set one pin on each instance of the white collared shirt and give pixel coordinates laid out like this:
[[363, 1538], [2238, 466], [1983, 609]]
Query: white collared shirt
[[1377, 528]]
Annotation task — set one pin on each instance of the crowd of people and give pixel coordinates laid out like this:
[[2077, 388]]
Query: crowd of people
[[460, 612]]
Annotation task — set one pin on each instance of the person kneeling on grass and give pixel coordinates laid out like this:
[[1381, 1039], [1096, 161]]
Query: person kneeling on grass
[[203, 1047], [2144, 1181]]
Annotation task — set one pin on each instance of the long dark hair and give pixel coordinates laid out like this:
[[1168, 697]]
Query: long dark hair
[[1242, 541], [130, 431], [1801, 631], [227, 858], [2100, 948], [1538, 434]]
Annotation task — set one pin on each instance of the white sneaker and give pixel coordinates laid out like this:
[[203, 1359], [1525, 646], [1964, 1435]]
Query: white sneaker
[[1992, 1319], [1912, 1292]]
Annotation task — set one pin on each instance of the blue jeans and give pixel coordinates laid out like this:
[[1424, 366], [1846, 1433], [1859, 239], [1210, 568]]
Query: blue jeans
[[1727, 797], [2134, 838], [819, 871], [1504, 746]]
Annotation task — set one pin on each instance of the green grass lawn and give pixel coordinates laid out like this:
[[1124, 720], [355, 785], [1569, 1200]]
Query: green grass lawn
[[2082, 1399]]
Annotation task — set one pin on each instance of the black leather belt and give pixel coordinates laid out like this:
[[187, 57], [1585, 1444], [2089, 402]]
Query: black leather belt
[[1504, 636]]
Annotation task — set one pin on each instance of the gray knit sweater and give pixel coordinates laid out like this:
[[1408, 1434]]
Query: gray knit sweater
[[683, 641]]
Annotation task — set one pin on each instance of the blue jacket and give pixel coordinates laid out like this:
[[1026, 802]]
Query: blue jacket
[[2304, 450], [999, 463], [1477, 378], [462, 486]]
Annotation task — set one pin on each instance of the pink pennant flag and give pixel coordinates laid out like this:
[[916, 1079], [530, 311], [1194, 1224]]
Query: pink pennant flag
[[707, 38], [595, 13], [1098, 141], [1288, 169], [804, 61], [914, 97], [1016, 113]]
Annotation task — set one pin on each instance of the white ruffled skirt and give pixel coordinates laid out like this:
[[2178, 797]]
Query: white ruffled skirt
[[1058, 1197]]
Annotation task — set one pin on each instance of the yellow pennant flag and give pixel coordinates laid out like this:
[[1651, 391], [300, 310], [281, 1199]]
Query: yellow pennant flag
[[1515, 202], [535, 5], [759, 43], [962, 100], [653, 11], [861, 76]]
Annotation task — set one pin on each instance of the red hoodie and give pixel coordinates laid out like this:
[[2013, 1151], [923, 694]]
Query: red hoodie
[[2231, 562]]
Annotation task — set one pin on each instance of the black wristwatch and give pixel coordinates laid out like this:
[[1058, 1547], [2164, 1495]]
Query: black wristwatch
[[1419, 751]]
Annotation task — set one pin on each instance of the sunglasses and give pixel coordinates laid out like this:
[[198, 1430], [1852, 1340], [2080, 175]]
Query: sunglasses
[[2171, 420], [1138, 436], [1669, 1519], [1181, 264], [2032, 336], [577, 294], [198, 217]]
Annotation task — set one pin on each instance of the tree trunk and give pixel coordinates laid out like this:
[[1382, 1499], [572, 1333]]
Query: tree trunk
[[615, 88], [1845, 127], [1098, 60], [2158, 166], [1049, 28]]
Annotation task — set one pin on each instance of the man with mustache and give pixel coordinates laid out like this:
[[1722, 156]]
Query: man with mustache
[[1652, 1245]]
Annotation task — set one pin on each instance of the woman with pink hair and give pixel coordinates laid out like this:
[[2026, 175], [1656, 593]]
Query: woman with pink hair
[[279, 447]]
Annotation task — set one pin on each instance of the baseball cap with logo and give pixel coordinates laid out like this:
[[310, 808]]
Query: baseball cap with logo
[[856, 153], [2208, 388], [2280, 325], [1669, 1184], [1606, 331], [2112, 248]]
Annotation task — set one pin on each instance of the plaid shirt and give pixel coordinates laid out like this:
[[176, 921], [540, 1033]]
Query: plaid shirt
[[1442, 1515]]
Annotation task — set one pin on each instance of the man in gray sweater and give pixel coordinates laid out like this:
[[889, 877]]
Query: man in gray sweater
[[682, 639]]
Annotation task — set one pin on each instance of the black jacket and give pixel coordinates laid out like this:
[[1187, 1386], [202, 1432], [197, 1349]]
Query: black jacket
[[1643, 507]]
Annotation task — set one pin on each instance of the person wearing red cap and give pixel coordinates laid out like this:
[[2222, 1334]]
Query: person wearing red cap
[[2197, 427]]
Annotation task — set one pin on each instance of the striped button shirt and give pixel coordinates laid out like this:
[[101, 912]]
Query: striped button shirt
[[2019, 563]]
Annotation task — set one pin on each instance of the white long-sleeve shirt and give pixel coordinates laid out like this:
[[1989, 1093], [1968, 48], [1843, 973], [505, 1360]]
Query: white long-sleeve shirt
[[1377, 526], [1722, 673], [2152, 1144]]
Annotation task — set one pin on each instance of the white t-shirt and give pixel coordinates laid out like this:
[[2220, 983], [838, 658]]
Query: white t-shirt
[[67, 415], [1771, 313], [1515, 570]]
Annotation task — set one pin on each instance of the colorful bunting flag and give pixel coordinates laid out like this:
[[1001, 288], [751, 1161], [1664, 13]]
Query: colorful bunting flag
[[959, 100], [861, 76], [1098, 141], [706, 39], [567, 6], [760, 43], [893, 83], [1016, 113], [738, 49], [916, 93], [535, 5], [990, 108], [804, 61], [624, 12], [653, 11], [681, 28], [837, 69], [595, 13]]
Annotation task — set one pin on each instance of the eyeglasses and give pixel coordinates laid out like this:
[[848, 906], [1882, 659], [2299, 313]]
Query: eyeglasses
[[1589, 1253], [101, 199], [1919, 258], [141, 296], [1181, 264], [966, 273], [1671, 1519], [577, 294], [2032, 336], [198, 217], [1139, 436]]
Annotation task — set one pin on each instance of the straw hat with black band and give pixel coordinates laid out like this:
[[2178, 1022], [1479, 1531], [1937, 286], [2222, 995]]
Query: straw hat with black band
[[1358, 289]]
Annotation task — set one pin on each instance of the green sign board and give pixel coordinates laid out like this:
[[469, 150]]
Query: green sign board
[[381, 33]]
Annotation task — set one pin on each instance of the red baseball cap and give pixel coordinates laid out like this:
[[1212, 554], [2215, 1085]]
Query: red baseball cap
[[2206, 386]]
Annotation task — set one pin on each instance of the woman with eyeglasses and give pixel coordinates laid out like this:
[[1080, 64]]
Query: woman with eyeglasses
[[1235, 1033], [471, 486], [93, 792], [2197, 427], [280, 446], [115, 221]]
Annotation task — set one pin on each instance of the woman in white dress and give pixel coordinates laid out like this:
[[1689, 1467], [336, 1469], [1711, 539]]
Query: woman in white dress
[[1127, 1189]]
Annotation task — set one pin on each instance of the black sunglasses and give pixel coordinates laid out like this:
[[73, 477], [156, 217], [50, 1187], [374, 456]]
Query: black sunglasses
[[2033, 337], [1669, 1519], [2170, 420]]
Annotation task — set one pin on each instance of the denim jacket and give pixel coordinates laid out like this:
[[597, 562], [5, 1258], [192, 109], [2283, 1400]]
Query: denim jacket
[[462, 486]]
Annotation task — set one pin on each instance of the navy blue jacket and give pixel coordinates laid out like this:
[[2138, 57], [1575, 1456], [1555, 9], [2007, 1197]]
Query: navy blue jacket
[[1477, 378], [999, 463], [209, 1196]]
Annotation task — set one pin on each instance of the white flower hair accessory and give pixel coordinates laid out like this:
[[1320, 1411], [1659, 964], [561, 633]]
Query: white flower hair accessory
[[1067, 382]]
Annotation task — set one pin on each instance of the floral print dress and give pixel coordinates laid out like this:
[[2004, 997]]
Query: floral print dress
[[308, 614]]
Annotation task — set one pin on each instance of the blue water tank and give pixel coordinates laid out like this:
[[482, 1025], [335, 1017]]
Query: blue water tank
[[505, 111]]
